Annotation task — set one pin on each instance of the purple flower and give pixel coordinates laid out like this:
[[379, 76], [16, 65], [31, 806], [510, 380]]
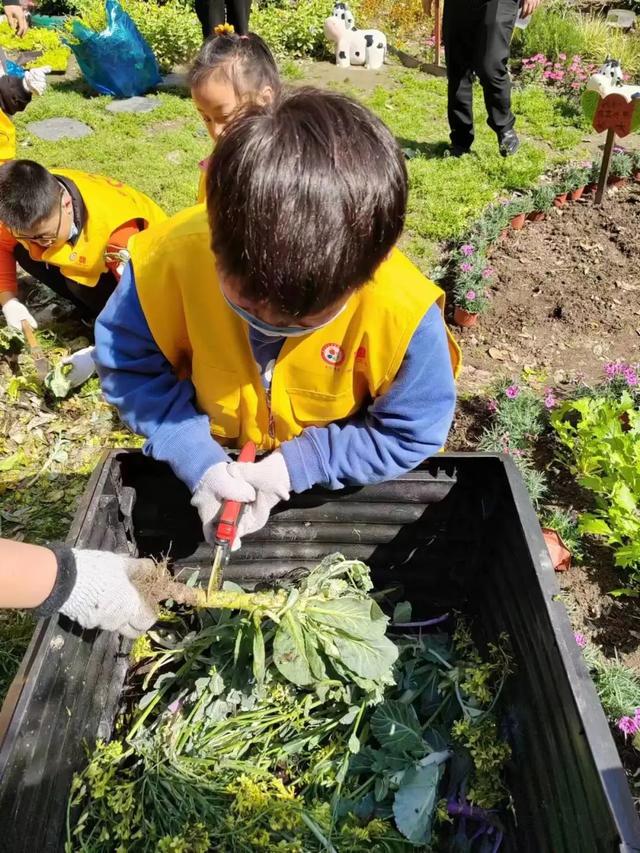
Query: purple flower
[[636, 716], [466, 266], [550, 400], [631, 376], [581, 640], [487, 272], [611, 369], [492, 406], [628, 725], [467, 249], [470, 295], [512, 392]]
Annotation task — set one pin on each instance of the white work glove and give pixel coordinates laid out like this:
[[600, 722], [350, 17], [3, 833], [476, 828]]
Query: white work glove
[[82, 364], [15, 312], [270, 479], [35, 80], [217, 486], [104, 596]]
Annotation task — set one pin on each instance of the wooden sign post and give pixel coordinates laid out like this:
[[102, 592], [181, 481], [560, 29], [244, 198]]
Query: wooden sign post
[[436, 68], [614, 109], [437, 34]]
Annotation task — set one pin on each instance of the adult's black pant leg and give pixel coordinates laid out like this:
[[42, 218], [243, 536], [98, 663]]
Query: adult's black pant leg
[[210, 14], [458, 27], [88, 300], [492, 62], [238, 12]]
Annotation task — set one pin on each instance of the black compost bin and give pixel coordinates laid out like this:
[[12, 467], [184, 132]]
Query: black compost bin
[[458, 533]]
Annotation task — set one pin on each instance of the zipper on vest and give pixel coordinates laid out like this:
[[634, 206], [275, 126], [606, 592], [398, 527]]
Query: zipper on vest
[[271, 421]]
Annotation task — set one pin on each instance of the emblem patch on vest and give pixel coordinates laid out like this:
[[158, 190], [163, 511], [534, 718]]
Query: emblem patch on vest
[[332, 354]]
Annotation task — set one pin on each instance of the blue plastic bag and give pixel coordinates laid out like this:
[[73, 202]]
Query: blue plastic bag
[[117, 61]]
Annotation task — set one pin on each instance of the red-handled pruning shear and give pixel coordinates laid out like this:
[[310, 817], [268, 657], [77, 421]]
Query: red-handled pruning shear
[[227, 528]]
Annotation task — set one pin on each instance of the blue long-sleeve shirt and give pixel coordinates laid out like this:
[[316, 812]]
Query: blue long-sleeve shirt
[[393, 435]]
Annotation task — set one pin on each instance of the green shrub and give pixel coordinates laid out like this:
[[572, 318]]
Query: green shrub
[[553, 29], [172, 30], [293, 30], [54, 53]]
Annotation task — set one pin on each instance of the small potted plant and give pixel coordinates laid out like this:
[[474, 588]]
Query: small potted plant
[[592, 178], [518, 208], [621, 165], [562, 189], [542, 201], [575, 179], [490, 226], [469, 303]]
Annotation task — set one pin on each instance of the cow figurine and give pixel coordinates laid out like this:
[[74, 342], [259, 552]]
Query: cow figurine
[[344, 13], [354, 46]]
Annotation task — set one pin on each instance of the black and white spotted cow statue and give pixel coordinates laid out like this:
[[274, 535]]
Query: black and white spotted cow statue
[[354, 46]]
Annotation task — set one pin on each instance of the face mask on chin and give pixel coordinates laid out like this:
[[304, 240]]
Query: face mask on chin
[[278, 331]]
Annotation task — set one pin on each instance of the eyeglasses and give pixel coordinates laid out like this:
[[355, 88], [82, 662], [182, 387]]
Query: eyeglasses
[[44, 240]]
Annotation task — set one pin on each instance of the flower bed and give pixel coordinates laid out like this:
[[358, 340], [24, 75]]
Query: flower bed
[[469, 266]]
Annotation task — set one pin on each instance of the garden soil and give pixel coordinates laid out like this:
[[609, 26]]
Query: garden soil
[[565, 297]]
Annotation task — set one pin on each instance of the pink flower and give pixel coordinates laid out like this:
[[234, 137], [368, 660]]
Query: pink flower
[[467, 249], [628, 725], [611, 369], [466, 266], [550, 399], [581, 640], [487, 272], [470, 295], [562, 57], [492, 406], [631, 376], [576, 86], [636, 716], [512, 392]]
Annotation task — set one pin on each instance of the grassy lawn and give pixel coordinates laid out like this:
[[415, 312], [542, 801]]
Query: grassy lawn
[[48, 448]]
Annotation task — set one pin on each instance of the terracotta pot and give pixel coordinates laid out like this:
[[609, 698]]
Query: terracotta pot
[[560, 200], [517, 223], [558, 551], [614, 181], [636, 176], [536, 216], [574, 195], [464, 318], [590, 188]]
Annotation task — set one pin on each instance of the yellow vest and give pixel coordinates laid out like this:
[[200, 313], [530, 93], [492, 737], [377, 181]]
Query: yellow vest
[[7, 138], [109, 204], [325, 376], [202, 186]]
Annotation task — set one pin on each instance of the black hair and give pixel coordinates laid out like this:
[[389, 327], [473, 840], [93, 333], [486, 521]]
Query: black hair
[[28, 194], [245, 61], [306, 196]]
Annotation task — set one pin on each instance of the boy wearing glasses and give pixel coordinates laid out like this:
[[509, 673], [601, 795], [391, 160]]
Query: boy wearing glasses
[[70, 231]]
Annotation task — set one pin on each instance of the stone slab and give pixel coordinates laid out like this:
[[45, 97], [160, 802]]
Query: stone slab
[[136, 104], [54, 129]]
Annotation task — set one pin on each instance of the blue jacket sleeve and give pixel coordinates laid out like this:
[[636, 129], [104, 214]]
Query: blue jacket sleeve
[[139, 381], [397, 432]]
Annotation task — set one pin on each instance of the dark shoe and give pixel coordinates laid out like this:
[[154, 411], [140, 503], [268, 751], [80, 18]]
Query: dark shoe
[[508, 143], [456, 151]]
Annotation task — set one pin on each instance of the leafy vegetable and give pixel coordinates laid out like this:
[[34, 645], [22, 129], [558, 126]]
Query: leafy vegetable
[[601, 437], [56, 380], [289, 721]]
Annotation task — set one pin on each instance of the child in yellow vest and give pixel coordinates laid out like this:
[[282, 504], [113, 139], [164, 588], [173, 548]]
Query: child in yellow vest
[[15, 96], [284, 316], [69, 230], [229, 72]]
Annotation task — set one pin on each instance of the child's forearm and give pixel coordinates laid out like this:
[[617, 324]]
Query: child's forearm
[[138, 380], [401, 429], [27, 574]]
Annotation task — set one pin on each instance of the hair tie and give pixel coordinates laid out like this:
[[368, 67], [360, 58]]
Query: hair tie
[[223, 30], [245, 37]]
